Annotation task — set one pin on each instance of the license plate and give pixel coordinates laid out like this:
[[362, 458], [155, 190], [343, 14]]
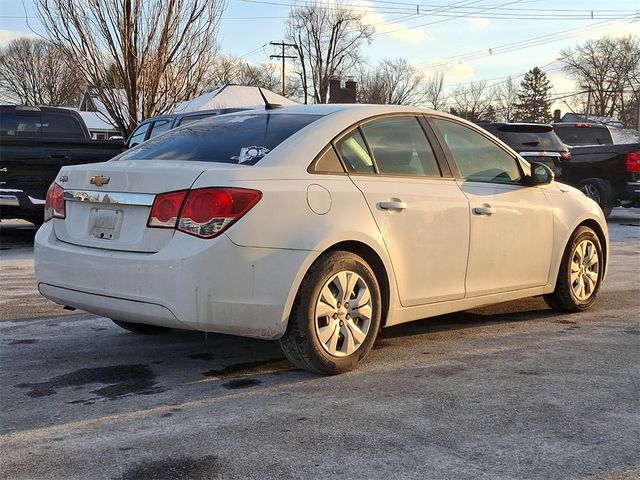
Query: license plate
[[106, 223]]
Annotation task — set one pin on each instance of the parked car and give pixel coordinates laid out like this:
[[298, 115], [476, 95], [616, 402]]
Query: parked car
[[154, 126], [315, 226], [535, 142], [608, 174], [583, 133], [34, 143]]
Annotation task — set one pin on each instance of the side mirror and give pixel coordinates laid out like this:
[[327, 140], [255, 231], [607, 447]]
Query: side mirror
[[541, 174]]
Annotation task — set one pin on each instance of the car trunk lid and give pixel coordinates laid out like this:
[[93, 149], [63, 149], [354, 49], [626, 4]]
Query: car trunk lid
[[108, 204]]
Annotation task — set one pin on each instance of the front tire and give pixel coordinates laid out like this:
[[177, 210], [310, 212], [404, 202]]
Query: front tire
[[335, 317], [580, 273], [141, 328]]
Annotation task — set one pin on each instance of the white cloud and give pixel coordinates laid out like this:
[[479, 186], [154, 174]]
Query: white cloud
[[479, 23], [392, 29], [452, 71], [7, 35]]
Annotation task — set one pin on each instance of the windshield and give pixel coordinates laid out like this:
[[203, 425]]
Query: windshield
[[242, 139]]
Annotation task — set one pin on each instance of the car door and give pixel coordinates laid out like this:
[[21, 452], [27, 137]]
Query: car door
[[421, 213], [511, 223]]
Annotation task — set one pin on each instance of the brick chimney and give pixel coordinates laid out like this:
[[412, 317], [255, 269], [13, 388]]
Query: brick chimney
[[340, 94]]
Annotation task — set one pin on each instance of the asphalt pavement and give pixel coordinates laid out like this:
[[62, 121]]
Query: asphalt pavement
[[512, 391]]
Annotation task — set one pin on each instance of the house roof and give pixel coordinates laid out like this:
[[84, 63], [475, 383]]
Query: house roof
[[231, 96]]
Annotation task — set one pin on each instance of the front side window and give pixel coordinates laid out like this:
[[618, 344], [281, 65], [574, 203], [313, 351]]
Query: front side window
[[138, 135], [477, 157], [243, 139], [400, 147]]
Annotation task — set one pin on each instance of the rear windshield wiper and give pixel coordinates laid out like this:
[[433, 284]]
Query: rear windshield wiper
[[531, 144]]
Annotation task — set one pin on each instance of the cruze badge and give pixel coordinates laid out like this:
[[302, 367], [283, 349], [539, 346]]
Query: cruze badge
[[99, 180]]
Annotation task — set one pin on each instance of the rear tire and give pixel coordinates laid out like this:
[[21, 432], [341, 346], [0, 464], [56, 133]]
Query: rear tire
[[580, 273], [141, 328], [599, 191], [335, 317]]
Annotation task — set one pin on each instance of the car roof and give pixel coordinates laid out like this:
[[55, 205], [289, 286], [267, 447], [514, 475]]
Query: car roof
[[331, 108]]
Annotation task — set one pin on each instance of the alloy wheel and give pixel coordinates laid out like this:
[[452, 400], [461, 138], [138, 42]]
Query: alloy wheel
[[585, 268], [343, 314]]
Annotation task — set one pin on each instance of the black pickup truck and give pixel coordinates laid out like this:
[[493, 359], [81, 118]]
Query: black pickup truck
[[609, 174], [606, 172], [34, 143]]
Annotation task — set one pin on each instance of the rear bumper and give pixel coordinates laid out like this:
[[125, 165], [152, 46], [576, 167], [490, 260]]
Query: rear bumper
[[632, 194], [14, 203], [209, 285]]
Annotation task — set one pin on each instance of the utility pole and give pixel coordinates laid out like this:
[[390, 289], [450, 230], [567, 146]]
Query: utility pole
[[283, 56]]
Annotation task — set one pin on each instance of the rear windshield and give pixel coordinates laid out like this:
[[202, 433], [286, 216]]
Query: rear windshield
[[532, 139], [243, 139], [592, 135], [31, 124]]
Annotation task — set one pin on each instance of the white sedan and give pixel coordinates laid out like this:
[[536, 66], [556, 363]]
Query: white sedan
[[315, 226]]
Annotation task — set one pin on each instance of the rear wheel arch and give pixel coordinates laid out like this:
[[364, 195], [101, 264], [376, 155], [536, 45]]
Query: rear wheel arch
[[377, 265]]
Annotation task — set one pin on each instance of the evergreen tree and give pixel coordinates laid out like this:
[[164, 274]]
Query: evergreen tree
[[534, 102]]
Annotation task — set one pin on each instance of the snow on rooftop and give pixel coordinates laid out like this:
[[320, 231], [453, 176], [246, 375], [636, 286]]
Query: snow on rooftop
[[231, 96]]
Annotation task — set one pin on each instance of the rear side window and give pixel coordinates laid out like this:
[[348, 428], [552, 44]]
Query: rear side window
[[354, 152], [243, 139], [193, 118], [400, 147], [477, 157]]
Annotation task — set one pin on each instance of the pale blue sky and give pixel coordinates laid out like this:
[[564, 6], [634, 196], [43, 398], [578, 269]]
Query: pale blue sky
[[453, 37]]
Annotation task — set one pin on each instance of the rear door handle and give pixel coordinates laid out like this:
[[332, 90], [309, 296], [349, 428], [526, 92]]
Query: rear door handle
[[393, 205], [485, 209]]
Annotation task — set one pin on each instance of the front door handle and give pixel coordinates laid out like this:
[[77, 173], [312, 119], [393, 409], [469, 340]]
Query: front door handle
[[485, 209], [393, 205]]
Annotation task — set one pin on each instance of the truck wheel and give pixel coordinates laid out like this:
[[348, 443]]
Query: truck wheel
[[335, 317], [141, 328], [580, 273], [599, 191]]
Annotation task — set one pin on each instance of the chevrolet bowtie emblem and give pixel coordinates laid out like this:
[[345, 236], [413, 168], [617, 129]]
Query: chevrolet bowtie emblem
[[99, 180]]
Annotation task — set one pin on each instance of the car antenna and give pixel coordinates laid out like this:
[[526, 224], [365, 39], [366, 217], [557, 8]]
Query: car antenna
[[267, 105]]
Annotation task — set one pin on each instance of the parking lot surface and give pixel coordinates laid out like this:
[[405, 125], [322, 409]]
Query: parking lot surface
[[503, 392]]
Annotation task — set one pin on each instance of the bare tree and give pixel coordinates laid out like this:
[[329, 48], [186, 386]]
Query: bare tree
[[395, 82], [608, 69], [35, 72], [328, 42], [473, 101], [230, 70], [436, 98], [506, 98], [159, 50]]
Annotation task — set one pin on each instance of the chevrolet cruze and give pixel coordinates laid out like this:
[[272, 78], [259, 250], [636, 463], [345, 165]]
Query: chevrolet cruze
[[315, 226]]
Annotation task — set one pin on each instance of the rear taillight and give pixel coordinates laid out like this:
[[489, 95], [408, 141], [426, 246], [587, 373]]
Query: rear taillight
[[166, 209], [565, 156], [204, 212], [54, 203], [633, 162]]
